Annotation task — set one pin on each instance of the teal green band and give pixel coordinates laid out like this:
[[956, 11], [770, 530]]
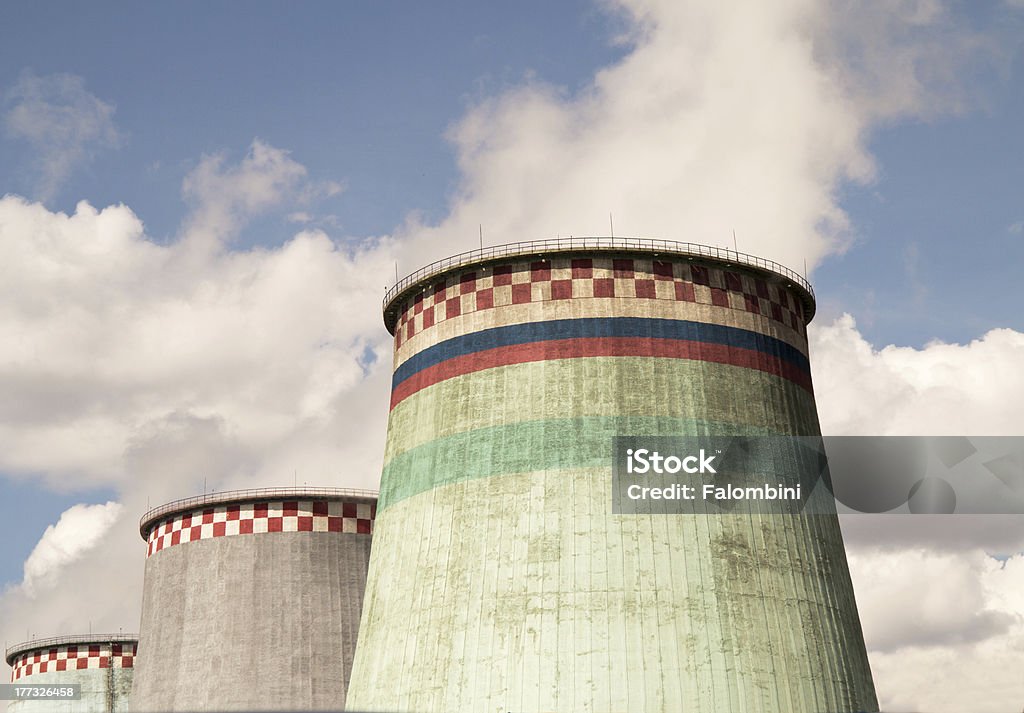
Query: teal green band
[[528, 446]]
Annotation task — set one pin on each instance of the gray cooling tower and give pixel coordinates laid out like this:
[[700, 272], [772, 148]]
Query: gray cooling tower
[[101, 665], [252, 599]]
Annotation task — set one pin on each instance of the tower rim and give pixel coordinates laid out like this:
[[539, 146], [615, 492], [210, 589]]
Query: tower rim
[[227, 497], [16, 650], [589, 245]]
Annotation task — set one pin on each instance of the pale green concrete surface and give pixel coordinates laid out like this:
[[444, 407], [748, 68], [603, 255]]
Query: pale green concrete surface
[[675, 389], [500, 581], [104, 690], [529, 595]]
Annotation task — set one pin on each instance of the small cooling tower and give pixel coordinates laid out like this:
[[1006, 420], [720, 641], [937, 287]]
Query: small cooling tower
[[102, 665], [252, 599], [500, 578]]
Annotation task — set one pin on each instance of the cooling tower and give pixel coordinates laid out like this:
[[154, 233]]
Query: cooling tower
[[251, 600], [500, 579], [101, 665]]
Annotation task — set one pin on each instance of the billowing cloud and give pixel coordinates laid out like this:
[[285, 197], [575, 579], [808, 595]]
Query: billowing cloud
[[718, 120], [223, 197], [62, 120], [945, 633], [85, 575], [952, 609], [974, 389], [743, 116], [930, 592], [78, 530], [119, 347]]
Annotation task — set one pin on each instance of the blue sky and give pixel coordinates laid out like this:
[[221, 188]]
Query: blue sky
[[363, 96], [884, 147], [359, 93], [948, 189]]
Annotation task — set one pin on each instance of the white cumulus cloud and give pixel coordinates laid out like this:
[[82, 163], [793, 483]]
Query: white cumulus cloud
[[954, 609], [79, 529], [744, 116], [974, 389], [945, 633], [116, 342], [931, 596]]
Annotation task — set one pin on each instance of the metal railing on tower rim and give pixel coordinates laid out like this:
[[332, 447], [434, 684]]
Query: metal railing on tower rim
[[35, 644], [610, 244], [255, 494]]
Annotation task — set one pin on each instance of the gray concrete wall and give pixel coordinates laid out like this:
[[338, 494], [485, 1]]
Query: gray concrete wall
[[251, 622]]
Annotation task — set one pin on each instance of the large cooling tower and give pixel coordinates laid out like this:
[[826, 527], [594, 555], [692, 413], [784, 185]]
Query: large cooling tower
[[101, 665], [251, 600], [501, 581]]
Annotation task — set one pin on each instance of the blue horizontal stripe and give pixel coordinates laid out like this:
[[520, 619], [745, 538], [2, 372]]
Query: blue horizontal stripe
[[652, 328]]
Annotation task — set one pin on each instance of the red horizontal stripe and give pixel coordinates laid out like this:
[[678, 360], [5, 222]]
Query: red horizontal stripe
[[598, 347]]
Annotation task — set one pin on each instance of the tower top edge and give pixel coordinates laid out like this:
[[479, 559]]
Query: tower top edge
[[16, 650], [229, 497], [648, 247]]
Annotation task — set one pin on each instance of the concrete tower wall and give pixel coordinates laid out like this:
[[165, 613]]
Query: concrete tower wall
[[501, 581], [101, 665], [253, 603]]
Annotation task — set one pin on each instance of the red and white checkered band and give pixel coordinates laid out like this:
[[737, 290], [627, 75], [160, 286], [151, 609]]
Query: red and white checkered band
[[567, 278], [74, 657], [262, 517]]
